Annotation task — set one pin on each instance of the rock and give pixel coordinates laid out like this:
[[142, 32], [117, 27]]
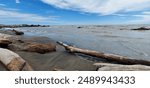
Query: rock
[[18, 32], [141, 28], [10, 37], [17, 46], [119, 67], [6, 36], [40, 48], [4, 42], [79, 27], [11, 32], [13, 61]]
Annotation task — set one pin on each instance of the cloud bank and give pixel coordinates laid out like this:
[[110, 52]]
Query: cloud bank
[[7, 15], [102, 7]]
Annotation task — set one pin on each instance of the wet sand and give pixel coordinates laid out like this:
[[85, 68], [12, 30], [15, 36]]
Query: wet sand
[[57, 60], [2, 68]]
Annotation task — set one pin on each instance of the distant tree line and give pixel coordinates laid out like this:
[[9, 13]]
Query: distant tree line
[[23, 25]]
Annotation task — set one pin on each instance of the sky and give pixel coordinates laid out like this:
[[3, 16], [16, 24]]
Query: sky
[[69, 12]]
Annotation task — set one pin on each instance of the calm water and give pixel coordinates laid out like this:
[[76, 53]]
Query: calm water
[[108, 39]]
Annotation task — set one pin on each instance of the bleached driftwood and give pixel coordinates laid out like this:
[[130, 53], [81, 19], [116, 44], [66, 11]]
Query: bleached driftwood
[[13, 61], [119, 67], [110, 57]]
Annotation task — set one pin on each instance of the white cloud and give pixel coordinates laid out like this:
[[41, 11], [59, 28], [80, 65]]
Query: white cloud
[[141, 18], [17, 1], [8, 15], [102, 7]]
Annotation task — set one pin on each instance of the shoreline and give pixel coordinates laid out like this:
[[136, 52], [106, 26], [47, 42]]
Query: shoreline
[[59, 60]]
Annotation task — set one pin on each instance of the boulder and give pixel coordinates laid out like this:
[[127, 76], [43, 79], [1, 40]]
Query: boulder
[[141, 28], [40, 48], [4, 42], [19, 44], [10, 37], [79, 27], [13, 61], [119, 67], [11, 32], [18, 32]]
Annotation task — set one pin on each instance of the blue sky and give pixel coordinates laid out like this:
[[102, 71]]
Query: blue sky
[[62, 12]]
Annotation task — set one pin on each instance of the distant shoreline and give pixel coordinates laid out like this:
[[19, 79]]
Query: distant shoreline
[[23, 25]]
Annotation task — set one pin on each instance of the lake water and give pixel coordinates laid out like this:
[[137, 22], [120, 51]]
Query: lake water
[[103, 38]]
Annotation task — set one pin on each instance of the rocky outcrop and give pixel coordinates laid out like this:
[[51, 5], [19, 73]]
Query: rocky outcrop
[[13, 61], [10, 37], [18, 32], [119, 67], [141, 28], [4, 42], [79, 27], [33, 47], [12, 32], [40, 48], [17, 43]]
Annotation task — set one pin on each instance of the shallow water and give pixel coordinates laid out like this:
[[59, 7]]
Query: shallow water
[[103, 38]]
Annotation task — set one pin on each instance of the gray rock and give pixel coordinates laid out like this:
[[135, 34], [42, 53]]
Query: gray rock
[[13, 61], [4, 42]]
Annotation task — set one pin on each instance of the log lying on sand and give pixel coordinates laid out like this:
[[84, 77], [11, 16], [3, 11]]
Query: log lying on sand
[[13, 62], [110, 57], [119, 67]]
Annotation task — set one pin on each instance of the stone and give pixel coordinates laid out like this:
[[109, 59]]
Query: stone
[[40, 48], [10, 37], [4, 42], [18, 32], [13, 61], [141, 28]]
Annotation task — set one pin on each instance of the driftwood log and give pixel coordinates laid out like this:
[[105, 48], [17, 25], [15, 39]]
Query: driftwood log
[[13, 62], [110, 57], [119, 67]]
